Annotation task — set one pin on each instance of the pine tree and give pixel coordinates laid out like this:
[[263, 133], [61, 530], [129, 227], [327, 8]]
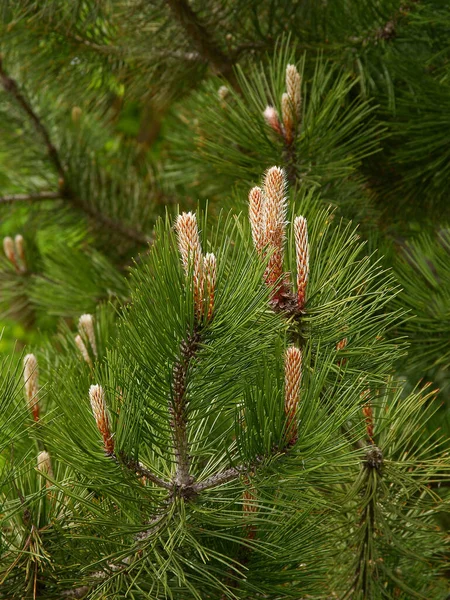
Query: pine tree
[[224, 230]]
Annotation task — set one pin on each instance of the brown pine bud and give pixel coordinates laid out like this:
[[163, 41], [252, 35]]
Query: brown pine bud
[[255, 215], [98, 404], [274, 222], [210, 272], [288, 118], [292, 381], [272, 119], [31, 378], [8, 247], [86, 327], [340, 346], [83, 350], [302, 258], [294, 90], [191, 255]]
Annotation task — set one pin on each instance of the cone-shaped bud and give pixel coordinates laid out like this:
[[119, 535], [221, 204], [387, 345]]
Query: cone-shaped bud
[[272, 119], [274, 222], [191, 254], [8, 247], [210, 271], [86, 327], [44, 463], [288, 118], [302, 258], [292, 381], [255, 214], [20, 251], [294, 90], [341, 344], [31, 378], [98, 404], [83, 350]]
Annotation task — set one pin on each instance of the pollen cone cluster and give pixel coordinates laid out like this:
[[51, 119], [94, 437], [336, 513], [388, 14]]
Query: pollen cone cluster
[[98, 404], [292, 381], [267, 215], [291, 104], [204, 268]]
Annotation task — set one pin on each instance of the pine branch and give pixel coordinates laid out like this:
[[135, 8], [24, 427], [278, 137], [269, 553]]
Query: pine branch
[[178, 411], [11, 87], [201, 37], [218, 479], [33, 197], [108, 222], [138, 468]]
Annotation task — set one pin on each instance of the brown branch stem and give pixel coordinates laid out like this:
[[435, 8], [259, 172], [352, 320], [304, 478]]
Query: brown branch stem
[[11, 87], [138, 468], [32, 197], [178, 410], [201, 37]]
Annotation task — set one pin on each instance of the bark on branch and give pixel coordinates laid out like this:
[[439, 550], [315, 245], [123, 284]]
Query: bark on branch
[[178, 410], [33, 197], [11, 87], [201, 37]]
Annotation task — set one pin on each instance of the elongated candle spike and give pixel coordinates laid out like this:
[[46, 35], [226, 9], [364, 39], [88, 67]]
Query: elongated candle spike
[[191, 253], [31, 378], [210, 271], [255, 214], [274, 221], [294, 89], [86, 326], [83, 350], [288, 118], [44, 463], [292, 381], [98, 404], [302, 258], [272, 119]]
